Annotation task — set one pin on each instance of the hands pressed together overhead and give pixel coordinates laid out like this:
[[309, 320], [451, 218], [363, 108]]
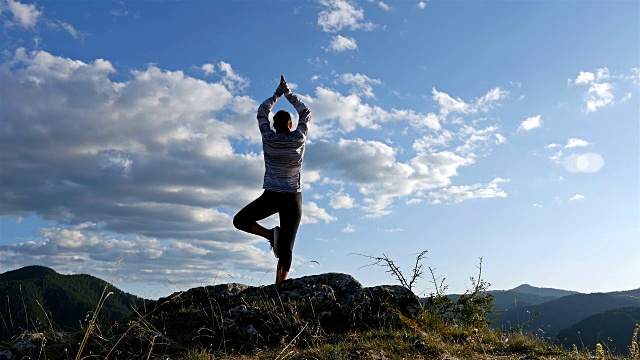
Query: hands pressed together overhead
[[283, 85]]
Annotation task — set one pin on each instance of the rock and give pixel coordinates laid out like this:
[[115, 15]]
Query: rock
[[237, 316], [278, 313]]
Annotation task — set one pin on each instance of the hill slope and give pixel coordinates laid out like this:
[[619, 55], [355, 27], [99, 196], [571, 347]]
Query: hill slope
[[542, 292], [563, 312], [526, 295], [66, 298], [614, 328]]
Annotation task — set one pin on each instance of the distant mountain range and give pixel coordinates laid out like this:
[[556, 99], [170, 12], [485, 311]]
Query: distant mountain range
[[526, 295], [26, 293], [571, 317], [561, 313]]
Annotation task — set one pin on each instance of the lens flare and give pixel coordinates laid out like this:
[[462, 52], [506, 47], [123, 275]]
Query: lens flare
[[587, 163]]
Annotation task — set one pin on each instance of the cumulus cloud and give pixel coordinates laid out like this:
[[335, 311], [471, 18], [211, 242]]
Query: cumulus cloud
[[341, 43], [571, 143], [83, 249], [342, 201], [530, 123], [150, 156], [468, 192], [349, 229], [601, 86], [448, 104], [335, 112], [373, 168], [467, 140], [384, 6], [232, 80], [340, 14], [360, 84], [312, 213], [208, 69], [24, 15], [576, 197], [500, 139], [422, 5], [154, 159]]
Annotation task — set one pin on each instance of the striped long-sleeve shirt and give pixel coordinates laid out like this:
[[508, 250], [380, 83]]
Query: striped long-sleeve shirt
[[283, 153]]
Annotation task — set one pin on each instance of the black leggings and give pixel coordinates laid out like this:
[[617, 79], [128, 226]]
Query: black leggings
[[288, 206]]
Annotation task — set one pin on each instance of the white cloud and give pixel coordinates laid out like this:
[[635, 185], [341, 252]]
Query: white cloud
[[571, 143], [372, 166], [584, 77], [468, 192], [312, 213], [70, 29], [360, 84], [530, 123], [342, 201], [340, 14], [84, 250], [422, 5], [467, 140], [600, 92], [598, 96], [557, 157], [153, 161], [431, 141], [449, 104], [208, 69], [349, 229], [537, 206], [25, 15], [552, 146], [152, 153], [587, 163], [384, 6], [341, 43], [576, 197], [231, 79], [485, 103]]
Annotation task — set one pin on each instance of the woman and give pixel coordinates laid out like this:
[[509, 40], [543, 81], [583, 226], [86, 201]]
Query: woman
[[283, 154]]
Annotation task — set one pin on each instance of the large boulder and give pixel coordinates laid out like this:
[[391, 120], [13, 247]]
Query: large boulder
[[235, 316], [293, 310]]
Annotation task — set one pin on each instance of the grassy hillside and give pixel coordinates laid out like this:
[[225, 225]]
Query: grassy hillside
[[35, 296], [328, 316]]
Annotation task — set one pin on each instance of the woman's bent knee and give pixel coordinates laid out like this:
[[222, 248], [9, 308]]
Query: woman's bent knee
[[240, 222]]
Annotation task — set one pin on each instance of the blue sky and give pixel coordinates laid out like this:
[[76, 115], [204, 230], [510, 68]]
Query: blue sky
[[502, 130]]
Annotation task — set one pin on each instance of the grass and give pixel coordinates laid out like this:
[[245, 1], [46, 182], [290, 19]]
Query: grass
[[291, 331]]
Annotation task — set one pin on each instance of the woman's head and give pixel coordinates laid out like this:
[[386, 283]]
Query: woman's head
[[282, 121]]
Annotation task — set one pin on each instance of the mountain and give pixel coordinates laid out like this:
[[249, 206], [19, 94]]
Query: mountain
[[526, 295], [26, 293], [613, 328], [562, 313], [542, 292]]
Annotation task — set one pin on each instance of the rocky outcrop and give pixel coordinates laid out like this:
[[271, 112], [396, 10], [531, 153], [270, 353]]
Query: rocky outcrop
[[295, 309], [238, 316]]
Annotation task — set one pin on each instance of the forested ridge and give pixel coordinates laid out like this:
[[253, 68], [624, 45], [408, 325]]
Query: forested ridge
[[26, 293]]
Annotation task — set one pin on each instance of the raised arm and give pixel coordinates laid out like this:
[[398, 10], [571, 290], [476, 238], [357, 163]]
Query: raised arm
[[304, 113], [265, 108]]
